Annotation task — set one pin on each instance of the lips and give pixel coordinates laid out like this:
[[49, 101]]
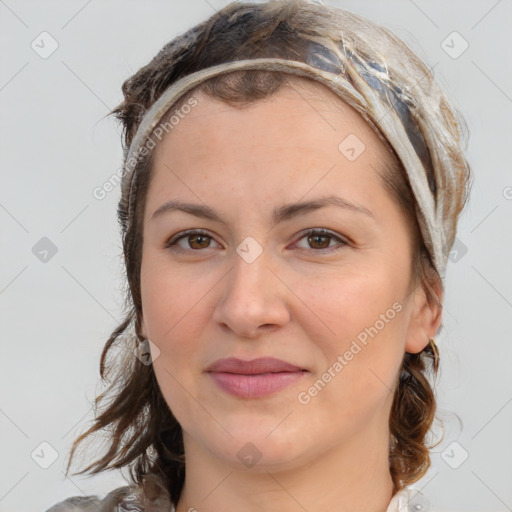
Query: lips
[[253, 367], [253, 379]]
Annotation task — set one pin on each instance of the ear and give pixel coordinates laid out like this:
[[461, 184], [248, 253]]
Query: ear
[[425, 318]]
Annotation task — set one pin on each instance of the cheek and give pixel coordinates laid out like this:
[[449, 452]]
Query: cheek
[[363, 323], [362, 354], [349, 303], [171, 312], [169, 298]]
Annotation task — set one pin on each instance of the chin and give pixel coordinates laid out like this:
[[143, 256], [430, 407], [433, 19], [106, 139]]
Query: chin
[[257, 448]]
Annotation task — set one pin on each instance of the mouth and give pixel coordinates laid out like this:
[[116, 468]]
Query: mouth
[[256, 378]]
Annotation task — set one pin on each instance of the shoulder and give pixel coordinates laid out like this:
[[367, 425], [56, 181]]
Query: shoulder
[[93, 503], [77, 504], [408, 498], [150, 496]]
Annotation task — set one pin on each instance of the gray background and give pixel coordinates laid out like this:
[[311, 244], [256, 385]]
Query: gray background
[[55, 148]]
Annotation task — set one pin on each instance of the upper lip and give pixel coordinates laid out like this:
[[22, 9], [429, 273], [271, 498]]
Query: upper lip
[[252, 367]]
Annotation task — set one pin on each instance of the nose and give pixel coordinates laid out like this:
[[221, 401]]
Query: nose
[[253, 298]]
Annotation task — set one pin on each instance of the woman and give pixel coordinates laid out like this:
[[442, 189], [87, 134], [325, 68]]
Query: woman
[[293, 180]]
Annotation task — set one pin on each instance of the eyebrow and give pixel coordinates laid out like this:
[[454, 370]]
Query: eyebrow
[[280, 214]]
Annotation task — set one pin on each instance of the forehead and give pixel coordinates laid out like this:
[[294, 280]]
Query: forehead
[[289, 143], [302, 109]]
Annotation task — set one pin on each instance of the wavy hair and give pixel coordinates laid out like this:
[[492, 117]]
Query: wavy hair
[[143, 435]]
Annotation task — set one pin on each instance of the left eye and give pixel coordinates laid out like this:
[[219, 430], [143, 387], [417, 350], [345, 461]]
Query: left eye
[[318, 239]]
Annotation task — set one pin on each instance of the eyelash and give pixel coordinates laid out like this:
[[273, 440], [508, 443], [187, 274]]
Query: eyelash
[[318, 231]]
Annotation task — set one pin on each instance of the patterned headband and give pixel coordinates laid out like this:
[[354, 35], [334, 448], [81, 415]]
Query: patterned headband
[[364, 85]]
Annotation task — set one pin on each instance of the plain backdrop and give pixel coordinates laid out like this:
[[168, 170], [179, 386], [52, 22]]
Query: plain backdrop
[[58, 307]]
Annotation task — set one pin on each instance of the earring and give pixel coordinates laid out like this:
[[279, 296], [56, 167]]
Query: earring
[[435, 352]]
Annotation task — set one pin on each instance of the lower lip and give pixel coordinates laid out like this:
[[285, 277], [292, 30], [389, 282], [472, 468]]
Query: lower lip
[[254, 386]]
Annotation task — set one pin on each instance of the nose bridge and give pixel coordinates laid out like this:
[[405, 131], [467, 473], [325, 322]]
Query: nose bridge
[[249, 277], [251, 294]]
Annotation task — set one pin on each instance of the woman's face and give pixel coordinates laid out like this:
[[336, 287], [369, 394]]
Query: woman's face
[[333, 307]]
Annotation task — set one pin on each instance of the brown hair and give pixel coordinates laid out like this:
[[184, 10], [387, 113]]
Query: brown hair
[[144, 434]]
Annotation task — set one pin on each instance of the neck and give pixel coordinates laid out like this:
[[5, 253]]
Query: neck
[[350, 477]]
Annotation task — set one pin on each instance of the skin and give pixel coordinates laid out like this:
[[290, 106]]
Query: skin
[[299, 301]]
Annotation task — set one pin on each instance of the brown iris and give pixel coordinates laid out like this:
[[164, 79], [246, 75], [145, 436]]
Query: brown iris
[[200, 239], [313, 239]]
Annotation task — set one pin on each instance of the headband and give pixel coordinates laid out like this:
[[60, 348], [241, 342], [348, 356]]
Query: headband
[[364, 85]]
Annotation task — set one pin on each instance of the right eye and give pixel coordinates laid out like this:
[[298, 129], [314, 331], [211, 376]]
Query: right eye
[[193, 238]]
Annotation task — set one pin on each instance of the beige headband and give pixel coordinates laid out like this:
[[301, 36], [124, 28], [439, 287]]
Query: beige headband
[[384, 106]]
